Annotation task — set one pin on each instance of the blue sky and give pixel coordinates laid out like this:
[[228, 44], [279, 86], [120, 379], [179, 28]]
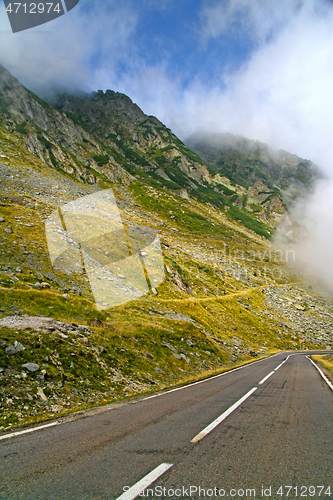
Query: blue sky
[[171, 33]]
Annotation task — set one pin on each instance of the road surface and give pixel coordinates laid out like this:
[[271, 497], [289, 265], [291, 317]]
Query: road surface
[[261, 431]]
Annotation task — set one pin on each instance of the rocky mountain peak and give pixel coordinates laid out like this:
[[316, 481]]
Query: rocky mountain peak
[[104, 137]]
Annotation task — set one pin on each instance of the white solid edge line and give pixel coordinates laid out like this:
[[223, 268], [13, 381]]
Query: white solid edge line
[[224, 415], [267, 377], [210, 378], [26, 431], [321, 373], [146, 481]]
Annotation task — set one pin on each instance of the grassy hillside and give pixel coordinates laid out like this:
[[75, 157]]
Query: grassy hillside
[[216, 276], [228, 296]]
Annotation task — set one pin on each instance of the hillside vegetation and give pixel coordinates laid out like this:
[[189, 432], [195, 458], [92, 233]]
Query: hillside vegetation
[[228, 295]]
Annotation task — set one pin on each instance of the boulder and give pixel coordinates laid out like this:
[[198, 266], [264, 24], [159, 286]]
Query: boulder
[[14, 349], [31, 367]]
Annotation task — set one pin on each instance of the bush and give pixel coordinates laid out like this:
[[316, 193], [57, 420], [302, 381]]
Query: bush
[[225, 190], [4, 105], [101, 159], [21, 128]]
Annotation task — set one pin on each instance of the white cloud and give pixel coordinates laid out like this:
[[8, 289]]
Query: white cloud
[[64, 52], [283, 95], [259, 19], [314, 254]]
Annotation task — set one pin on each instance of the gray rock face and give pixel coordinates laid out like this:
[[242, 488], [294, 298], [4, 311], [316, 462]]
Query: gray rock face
[[176, 355], [31, 367], [14, 349], [179, 317], [42, 323], [158, 370], [169, 346], [51, 127], [233, 156]]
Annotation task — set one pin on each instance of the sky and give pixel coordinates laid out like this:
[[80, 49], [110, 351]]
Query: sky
[[258, 68]]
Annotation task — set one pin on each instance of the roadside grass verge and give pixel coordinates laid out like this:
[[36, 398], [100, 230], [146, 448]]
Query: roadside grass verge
[[41, 410], [325, 360]]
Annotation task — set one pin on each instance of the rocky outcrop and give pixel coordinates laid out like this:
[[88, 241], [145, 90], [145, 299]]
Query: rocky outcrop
[[245, 162]]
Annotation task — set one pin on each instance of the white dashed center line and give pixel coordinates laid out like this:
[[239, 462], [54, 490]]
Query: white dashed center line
[[267, 377], [139, 487], [220, 419], [224, 415]]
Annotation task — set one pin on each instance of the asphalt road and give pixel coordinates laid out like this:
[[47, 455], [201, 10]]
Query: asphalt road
[[239, 435]]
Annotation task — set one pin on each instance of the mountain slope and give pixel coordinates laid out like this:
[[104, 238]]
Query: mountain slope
[[228, 295], [105, 137], [246, 162], [98, 135]]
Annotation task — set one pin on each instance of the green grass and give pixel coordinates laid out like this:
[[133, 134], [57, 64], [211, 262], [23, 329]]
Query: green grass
[[186, 151], [225, 190], [207, 195], [130, 331], [249, 222], [183, 217]]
